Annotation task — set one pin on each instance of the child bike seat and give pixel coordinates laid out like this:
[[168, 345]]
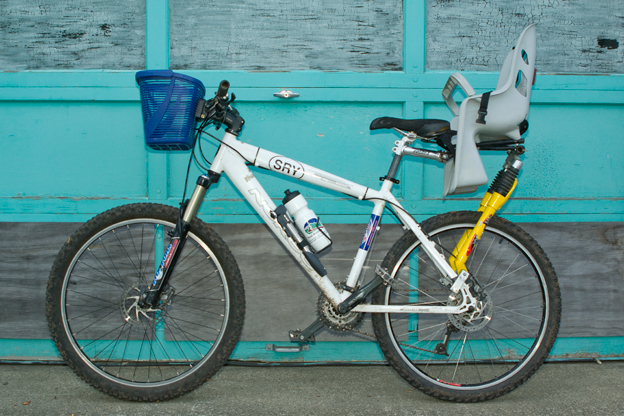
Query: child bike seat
[[497, 115]]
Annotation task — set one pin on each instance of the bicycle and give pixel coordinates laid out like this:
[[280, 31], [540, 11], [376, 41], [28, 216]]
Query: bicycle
[[146, 302]]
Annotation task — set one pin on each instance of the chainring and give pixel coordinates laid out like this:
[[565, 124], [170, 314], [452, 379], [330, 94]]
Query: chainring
[[334, 320]]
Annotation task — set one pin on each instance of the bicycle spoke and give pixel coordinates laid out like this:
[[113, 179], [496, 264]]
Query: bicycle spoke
[[120, 284], [91, 296], [469, 351], [198, 281], [520, 314], [126, 253]]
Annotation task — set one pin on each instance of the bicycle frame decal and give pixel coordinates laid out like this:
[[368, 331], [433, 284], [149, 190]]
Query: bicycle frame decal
[[370, 232], [165, 261], [286, 166], [170, 251]]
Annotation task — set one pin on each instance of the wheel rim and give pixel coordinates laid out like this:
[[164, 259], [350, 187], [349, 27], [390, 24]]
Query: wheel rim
[[143, 348], [479, 355]]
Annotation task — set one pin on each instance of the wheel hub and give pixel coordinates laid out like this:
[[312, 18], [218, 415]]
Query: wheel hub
[[475, 319], [134, 314]]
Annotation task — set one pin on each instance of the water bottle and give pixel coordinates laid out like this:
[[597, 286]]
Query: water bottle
[[306, 221]]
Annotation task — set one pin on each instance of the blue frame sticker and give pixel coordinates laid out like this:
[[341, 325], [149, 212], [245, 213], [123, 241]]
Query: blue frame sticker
[[370, 232]]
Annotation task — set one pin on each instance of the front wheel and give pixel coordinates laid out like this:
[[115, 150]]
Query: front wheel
[[137, 352], [485, 353]]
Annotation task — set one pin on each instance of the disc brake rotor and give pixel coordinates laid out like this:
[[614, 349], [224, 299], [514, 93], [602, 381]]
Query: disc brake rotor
[[475, 320], [134, 314]]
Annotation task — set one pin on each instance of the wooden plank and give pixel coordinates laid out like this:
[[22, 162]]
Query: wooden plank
[[86, 150], [72, 34], [157, 34], [588, 259], [274, 35], [280, 297], [578, 36], [28, 251], [586, 256]]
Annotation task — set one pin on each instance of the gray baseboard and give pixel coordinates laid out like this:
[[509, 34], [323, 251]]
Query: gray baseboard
[[588, 258]]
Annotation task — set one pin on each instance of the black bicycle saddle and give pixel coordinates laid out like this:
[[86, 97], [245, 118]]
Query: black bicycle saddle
[[422, 127]]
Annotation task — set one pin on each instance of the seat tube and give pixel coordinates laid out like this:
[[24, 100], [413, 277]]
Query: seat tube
[[373, 223], [394, 167], [369, 235]]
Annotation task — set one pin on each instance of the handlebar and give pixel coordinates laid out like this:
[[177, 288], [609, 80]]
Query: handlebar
[[224, 86], [221, 101], [218, 109]]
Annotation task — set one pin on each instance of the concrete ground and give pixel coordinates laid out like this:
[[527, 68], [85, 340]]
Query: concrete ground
[[556, 389]]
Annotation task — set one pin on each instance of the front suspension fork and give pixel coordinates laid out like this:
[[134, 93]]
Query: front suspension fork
[[494, 199], [188, 211]]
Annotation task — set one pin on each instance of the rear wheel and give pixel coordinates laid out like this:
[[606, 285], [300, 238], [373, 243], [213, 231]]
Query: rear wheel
[[489, 351], [134, 352]]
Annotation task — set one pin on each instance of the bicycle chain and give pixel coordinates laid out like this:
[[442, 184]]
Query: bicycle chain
[[400, 343]]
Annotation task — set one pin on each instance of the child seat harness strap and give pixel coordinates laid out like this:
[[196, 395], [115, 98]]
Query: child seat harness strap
[[485, 98]]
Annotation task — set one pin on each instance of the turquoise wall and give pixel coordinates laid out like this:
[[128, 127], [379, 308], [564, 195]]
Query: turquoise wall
[[73, 143], [75, 136]]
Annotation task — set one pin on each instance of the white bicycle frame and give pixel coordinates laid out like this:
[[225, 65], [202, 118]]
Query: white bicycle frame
[[231, 158]]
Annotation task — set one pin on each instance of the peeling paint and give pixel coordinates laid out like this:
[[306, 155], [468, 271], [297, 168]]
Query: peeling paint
[[271, 35], [64, 198], [72, 34], [608, 43], [577, 36]]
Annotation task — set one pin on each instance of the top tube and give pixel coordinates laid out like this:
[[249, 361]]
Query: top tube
[[294, 169]]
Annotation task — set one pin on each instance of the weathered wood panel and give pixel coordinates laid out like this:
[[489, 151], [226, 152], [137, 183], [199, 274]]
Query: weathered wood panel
[[262, 35], [29, 249], [574, 36], [586, 256], [72, 34]]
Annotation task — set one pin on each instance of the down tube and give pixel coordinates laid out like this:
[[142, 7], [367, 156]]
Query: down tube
[[247, 184]]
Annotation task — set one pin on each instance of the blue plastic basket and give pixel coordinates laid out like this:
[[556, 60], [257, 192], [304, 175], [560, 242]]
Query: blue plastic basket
[[168, 102]]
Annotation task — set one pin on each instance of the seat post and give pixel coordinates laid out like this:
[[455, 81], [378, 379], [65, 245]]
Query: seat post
[[394, 167]]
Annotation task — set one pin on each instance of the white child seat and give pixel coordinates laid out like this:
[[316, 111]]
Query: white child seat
[[507, 107]]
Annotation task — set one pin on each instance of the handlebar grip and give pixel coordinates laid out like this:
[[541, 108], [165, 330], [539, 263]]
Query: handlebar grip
[[224, 86]]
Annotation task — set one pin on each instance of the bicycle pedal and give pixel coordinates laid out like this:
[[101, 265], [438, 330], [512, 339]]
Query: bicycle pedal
[[298, 336]]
